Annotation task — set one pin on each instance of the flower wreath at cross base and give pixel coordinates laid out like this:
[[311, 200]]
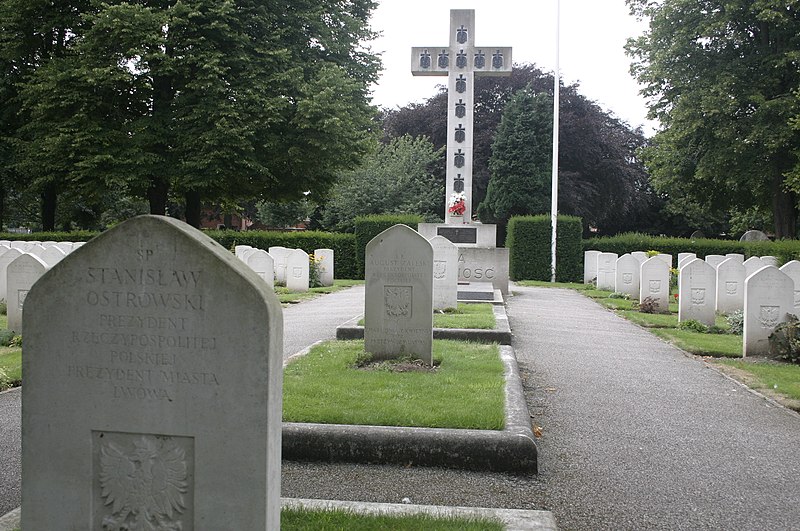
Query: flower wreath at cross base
[[457, 204]]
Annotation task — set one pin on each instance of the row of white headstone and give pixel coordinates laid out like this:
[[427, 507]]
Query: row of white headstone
[[287, 267], [23, 263], [764, 293]]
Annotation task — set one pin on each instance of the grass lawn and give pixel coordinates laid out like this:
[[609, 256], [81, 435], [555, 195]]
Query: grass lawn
[[479, 315], [288, 297], [721, 345], [11, 364], [466, 390], [307, 520], [779, 377]]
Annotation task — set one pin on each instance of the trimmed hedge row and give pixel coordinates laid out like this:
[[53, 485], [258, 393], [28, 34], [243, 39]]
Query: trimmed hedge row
[[529, 244], [77, 236], [343, 245], [367, 227], [784, 250]]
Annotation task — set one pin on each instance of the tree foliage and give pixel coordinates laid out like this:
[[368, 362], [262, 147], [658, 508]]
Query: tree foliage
[[396, 178], [201, 99], [600, 176], [722, 77]]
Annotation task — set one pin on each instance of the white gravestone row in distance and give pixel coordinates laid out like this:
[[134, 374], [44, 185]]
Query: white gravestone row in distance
[[274, 265]]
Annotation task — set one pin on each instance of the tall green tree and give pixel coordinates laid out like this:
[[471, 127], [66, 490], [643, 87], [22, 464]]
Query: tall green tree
[[202, 99], [397, 178], [723, 80]]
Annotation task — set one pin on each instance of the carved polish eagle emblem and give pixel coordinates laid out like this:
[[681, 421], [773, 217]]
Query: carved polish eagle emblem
[[143, 486]]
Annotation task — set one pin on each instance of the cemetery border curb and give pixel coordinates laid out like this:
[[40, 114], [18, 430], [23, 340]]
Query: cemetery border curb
[[512, 449], [500, 334]]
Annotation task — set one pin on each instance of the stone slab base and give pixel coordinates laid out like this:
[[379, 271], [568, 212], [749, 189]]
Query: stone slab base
[[501, 333], [512, 449]]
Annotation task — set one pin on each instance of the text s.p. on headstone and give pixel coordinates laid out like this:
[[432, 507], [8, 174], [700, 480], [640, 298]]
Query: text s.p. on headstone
[[152, 393]]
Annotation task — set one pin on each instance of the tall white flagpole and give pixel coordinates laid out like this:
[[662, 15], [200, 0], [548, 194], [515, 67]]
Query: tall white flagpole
[[554, 177]]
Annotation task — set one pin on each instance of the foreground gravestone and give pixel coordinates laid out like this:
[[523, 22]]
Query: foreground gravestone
[[21, 275], [152, 395], [297, 270], [697, 289], [590, 266], [730, 286], [654, 283], [768, 299], [606, 271], [792, 268], [398, 304], [445, 273], [324, 262], [627, 276]]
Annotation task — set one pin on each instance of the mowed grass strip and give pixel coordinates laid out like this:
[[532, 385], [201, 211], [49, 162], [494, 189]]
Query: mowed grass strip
[[316, 520], [718, 345], [11, 365], [467, 390], [289, 297], [779, 377], [480, 315]]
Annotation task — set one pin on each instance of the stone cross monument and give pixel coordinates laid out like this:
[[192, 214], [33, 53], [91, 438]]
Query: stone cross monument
[[460, 61]]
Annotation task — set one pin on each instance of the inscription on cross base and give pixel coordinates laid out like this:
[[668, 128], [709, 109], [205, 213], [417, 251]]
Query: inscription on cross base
[[461, 61]]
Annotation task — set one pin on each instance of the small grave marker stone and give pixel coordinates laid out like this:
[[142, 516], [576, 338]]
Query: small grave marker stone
[[21, 275], [715, 259], [606, 271], [324, 260], [684, 256], [445, 273], [262, 263], [792, 269], [627, 276], [280, 254], [590, 266], [667, 259], [5, 259], [770, 260], [639, 255], [730, 286], [153, 370], [297, 270], [52, 255], [736, 256], [768, 298], [398, 316], [654, 282], [753, 264], [697, 287]]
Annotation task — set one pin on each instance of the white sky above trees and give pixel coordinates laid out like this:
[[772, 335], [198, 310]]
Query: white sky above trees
[[593, 34]]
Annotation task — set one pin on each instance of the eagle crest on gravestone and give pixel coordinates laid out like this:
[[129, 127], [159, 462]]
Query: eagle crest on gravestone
[[698, 296], [145, 486], [768, 316], [731, 286], [397, 300]]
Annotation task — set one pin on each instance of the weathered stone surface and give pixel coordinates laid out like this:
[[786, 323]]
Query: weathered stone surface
[[398, 304], [792, 269], [697, 289], [730, 286], [445, 273], [627, 276], [484, 264], [768, 298], [153, 368]]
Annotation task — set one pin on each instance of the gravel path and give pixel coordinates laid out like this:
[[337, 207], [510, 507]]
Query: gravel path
[[637, 435], [10, 450]]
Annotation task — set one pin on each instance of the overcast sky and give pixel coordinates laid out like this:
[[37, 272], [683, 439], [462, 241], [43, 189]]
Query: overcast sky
[[593, 34]]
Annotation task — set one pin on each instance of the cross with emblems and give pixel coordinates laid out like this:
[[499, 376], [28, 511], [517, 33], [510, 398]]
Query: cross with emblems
[[461, 62]]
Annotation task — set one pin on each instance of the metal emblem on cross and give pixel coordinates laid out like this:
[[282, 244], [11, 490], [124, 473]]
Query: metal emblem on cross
[[460, 96]]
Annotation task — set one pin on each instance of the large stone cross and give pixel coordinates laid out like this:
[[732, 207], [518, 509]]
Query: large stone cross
[[461, 61]]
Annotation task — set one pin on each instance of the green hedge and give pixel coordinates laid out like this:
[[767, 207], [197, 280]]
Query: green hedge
[[784, 250], [367, 227], [343, 245], [529, 245], [77, 236]]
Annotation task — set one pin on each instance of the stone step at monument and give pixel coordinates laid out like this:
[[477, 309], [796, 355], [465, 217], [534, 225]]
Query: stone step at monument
[[477, 292]]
